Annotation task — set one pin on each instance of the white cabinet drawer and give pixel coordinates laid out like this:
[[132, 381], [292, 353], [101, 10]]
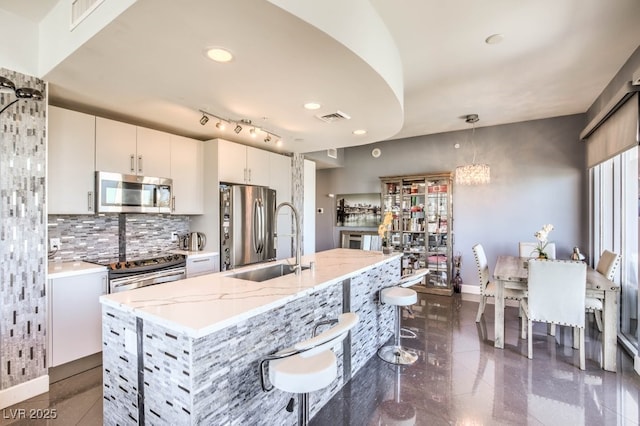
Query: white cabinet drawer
[[201, 265]]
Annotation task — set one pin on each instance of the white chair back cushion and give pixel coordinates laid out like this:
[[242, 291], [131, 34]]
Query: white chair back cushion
[[483, 266], [557, 291], [328, 339], [608, 263], [529, 249]]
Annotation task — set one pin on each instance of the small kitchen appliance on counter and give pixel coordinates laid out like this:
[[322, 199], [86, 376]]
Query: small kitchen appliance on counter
[[194, 241]]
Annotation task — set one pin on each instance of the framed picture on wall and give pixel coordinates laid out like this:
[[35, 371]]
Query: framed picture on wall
[[358, 210]]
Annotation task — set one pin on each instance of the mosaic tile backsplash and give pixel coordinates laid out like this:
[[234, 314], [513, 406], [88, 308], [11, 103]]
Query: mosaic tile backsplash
[[22, 234], [100, 237]]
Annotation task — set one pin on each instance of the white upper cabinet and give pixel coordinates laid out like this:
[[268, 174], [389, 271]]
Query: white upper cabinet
[[280, 176], [153, 153], [242, 164], [115, 146], [232, 162], [128, 149], [71, 153], [258, 166], [187, 175]]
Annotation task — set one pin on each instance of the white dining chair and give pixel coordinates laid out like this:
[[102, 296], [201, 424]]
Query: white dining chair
[[607, 266], [488, 288], [557, 292], [526, 249]]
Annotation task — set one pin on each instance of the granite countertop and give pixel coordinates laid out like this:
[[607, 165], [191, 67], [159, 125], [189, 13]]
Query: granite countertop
[[67, 269], [202, 305]]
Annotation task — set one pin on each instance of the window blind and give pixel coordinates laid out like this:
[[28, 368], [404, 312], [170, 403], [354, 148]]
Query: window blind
[[617, 134]]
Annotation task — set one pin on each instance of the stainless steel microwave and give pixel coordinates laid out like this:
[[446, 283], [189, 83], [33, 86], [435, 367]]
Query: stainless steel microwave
[[118, 193]]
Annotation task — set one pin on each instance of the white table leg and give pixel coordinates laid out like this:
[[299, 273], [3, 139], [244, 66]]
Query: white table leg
[[610, 330], [499, 315]]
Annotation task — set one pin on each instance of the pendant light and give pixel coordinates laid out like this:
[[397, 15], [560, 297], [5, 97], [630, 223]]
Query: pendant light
[[473, 174]]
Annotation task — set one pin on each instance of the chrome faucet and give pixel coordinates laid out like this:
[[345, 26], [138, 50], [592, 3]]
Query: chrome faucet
[[298, 265]]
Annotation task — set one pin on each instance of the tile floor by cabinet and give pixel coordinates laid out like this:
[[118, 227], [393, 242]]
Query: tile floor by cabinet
[[459, 379]]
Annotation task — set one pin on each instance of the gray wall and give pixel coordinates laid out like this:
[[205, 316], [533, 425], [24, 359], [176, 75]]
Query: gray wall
[[537, 177]]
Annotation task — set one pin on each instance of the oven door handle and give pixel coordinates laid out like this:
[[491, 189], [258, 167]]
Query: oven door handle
[[136, 281]]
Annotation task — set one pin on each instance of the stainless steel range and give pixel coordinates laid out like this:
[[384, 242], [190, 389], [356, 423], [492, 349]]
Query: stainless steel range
[[129, 275]]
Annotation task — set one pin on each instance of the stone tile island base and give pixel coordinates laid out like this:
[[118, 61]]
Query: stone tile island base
[[214, 380]]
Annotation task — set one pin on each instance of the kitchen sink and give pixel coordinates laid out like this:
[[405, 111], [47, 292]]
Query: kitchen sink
[[266, 273]]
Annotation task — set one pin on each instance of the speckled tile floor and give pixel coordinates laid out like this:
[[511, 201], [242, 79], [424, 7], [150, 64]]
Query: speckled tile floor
[[459, 379]]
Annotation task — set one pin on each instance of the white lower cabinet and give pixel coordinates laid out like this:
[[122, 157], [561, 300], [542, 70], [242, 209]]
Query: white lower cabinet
[[75, 316], [202, 264]]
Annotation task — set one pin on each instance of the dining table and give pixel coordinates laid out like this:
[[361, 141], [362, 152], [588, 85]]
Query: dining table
[[512, 272]]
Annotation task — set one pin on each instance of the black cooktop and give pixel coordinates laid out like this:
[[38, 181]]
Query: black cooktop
[[162, 261]]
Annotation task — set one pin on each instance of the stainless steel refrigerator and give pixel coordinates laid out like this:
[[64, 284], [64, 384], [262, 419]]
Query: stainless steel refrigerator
[[246, 225]]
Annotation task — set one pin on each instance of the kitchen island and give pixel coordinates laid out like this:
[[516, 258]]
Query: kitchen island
[[195, 344]]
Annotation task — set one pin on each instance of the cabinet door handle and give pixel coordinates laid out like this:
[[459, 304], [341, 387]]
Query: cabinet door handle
[[90, 201], [206, 259], [132, 165], [105, 285], [245, 174], [249, 175], [173, 203], [139, 163]]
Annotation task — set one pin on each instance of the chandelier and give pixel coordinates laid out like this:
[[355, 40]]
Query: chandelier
[[473, 174]]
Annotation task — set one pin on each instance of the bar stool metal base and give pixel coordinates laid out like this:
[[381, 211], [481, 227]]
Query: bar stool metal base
[[303, 409], [397, 355]]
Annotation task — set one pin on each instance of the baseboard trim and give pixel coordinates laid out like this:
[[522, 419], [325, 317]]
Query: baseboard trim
[[24, 391], [471, 289]]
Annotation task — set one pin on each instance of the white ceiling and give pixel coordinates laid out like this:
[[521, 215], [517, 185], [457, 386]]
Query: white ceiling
[[148, 66]]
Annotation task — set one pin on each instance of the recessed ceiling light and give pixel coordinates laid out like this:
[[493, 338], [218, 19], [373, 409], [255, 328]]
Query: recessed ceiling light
[[494, 39], [312, 106], [219, 54], [359, 132]]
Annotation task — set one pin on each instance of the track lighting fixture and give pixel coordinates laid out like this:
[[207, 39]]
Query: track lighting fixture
[[29, 93], [222, 122], [7, 85]]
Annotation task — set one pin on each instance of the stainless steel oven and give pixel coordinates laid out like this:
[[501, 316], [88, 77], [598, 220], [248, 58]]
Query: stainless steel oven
[[134, 274]]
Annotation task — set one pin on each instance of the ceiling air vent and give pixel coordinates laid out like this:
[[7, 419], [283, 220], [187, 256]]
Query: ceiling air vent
[[80, 9], [333, 117]]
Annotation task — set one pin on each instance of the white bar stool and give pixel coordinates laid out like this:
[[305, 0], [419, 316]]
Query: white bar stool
[[307, 366], [400, 296]]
